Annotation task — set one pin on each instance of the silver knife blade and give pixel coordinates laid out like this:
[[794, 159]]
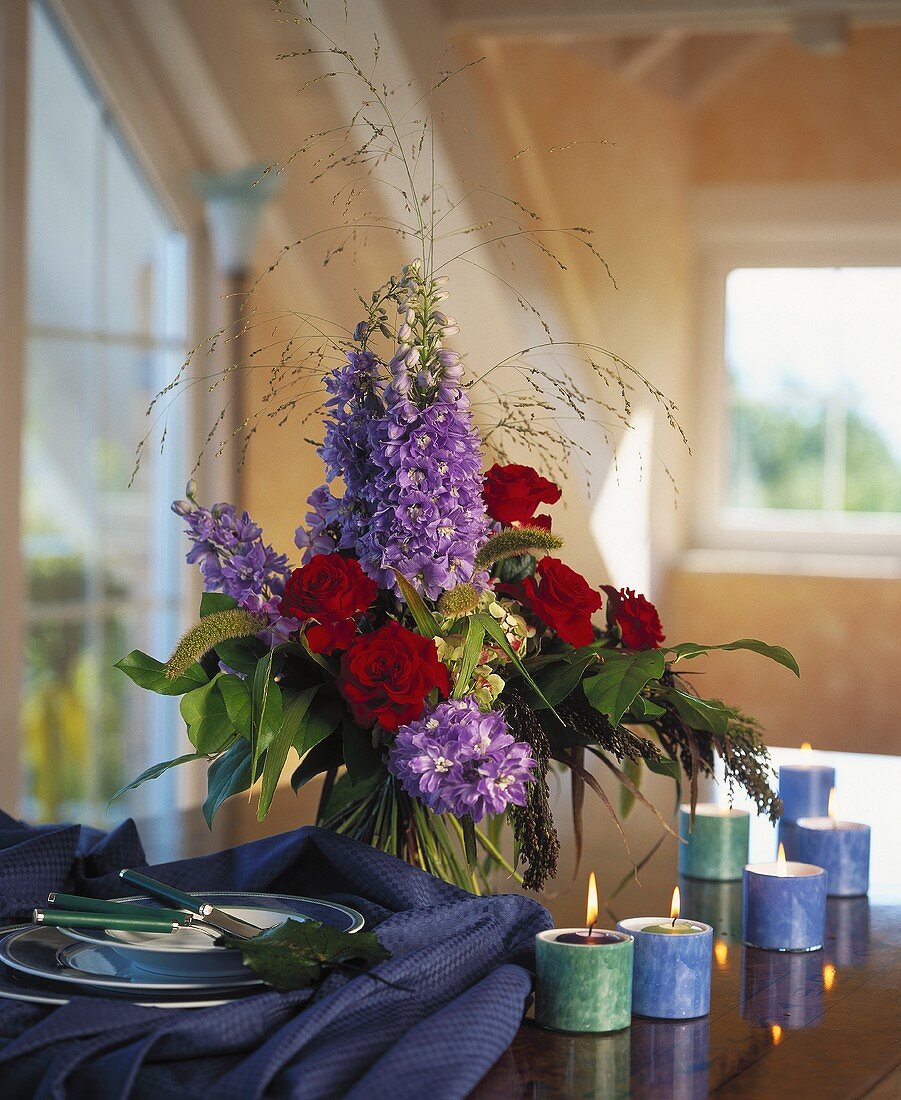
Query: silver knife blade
[[224, 922]]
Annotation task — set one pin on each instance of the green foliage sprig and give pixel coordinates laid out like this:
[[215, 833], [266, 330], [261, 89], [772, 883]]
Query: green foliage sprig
[[515, 541], [210, 631]]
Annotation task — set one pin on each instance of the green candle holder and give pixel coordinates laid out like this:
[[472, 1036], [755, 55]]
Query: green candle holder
[[583, 987], [716, 847]]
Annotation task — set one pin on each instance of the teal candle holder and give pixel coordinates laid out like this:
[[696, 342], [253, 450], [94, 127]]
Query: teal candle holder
[[716, 847], [580, 986]]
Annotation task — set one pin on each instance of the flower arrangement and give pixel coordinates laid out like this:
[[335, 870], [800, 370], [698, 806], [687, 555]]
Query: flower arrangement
[[429, 656]]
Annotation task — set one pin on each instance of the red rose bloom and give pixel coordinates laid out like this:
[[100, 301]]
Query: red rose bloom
[[636, 618], [564, 600], [385, 676], [333, 591], [513, 492]]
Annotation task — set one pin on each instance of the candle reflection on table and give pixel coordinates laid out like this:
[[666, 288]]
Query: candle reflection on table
[[671, 1058], [781, 989], [847, 931], [715, 903], [593, 1065]]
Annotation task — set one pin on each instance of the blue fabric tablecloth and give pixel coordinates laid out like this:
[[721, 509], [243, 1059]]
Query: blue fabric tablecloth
[[460, 961]]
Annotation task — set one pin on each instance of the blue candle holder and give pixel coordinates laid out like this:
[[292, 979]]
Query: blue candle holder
[[715, 845], [842, 848], [671, 974], [804, 790], [787, 836], [784, 912]]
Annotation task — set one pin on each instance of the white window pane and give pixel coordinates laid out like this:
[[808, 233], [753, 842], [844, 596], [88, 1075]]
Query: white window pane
[[814, 366], [64, 129]]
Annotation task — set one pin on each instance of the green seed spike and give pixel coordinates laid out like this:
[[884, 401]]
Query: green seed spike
[[208, 632], [516, 540], [459, 601]]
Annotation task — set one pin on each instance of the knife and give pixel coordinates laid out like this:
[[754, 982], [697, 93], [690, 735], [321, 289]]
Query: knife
[[202, 909], [59, 918]]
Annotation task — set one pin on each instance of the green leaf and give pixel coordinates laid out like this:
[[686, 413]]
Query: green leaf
[[296, 706], [362, 759], [229, 774], [345, 792], [209, 727], [665, 766], [327, 754], [633, 770], [515, 570], [296, 954], [426, 623], [469, 841], [241, 654], [700, 714], [235, 694], [319, 721], [621, 678], [211, 602], [687, 650], [557, 681], [155, 771], [266, 708], [149, 673], [643, 710], [472, 647]]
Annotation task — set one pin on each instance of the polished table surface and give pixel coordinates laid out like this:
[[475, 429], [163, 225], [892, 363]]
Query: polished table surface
[[824, 1025]]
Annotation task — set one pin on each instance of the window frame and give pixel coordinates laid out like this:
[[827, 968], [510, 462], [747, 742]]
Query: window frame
[[119, 63], [778, 226]]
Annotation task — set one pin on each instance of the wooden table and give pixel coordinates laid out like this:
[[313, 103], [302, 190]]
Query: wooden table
[[818, 1026]]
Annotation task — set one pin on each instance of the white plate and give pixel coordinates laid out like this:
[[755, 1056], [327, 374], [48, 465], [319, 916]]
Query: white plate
[[50, 955], [189, 953]]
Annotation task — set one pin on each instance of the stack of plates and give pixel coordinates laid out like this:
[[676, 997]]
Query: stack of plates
[[183, 969]]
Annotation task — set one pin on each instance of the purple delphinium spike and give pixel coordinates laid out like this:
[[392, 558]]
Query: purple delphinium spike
[[461, 760]]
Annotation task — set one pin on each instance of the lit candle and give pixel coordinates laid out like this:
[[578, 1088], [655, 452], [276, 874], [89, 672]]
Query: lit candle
[[804, 788], [715, 845], [671, 977], [784, 905], [583, 990], [841, 847]]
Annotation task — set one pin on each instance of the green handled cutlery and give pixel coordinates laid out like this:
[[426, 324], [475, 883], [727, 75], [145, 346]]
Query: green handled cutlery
[[61, 918], [74, 903], [204, 912]]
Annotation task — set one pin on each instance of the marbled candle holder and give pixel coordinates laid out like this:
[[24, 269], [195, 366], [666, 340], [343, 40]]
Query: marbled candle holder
[[583, 987], [671, 977], [784, 912], [787, 836], [842, 849], [783, 989], [804, 790], [714, 903], [716, 846]]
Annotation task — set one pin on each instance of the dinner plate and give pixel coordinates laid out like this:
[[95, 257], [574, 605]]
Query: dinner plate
[[15, 986], [190, 953], [49, 954]]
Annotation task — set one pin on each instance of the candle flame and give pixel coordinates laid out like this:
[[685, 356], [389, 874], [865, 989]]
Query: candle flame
[[828, 976], [721, 953], [776, 1032], [781, 865], [806, 747], [676, 904], [832, 812], [591, 914]]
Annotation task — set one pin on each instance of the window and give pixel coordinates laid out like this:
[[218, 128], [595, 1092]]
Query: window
[[106, 329], [813, 362]]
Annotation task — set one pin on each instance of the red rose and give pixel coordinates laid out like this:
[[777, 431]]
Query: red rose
[[333, 591], [513, 492], [636, 618], [386, 676], [563, 600]]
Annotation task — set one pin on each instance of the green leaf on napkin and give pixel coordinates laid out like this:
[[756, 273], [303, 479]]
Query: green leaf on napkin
[[297, 954]]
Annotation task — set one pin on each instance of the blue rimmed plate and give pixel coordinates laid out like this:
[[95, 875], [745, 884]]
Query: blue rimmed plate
[[190, 953]]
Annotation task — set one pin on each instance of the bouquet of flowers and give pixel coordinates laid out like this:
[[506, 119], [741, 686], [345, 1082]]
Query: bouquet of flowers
[[430, 655]]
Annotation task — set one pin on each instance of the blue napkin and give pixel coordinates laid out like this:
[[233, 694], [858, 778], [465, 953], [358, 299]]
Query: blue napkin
[[460, 961]]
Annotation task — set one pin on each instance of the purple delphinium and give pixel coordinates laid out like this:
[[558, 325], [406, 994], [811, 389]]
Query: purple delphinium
[[228, 546], [462, 760], [323, 530]]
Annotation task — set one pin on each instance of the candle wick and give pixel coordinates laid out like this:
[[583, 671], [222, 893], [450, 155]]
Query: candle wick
[[590, 930], [675, 918]]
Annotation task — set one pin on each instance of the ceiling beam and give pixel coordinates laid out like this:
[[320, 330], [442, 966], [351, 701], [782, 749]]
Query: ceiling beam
[[567, 18], [636, 57], [710, 61]]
